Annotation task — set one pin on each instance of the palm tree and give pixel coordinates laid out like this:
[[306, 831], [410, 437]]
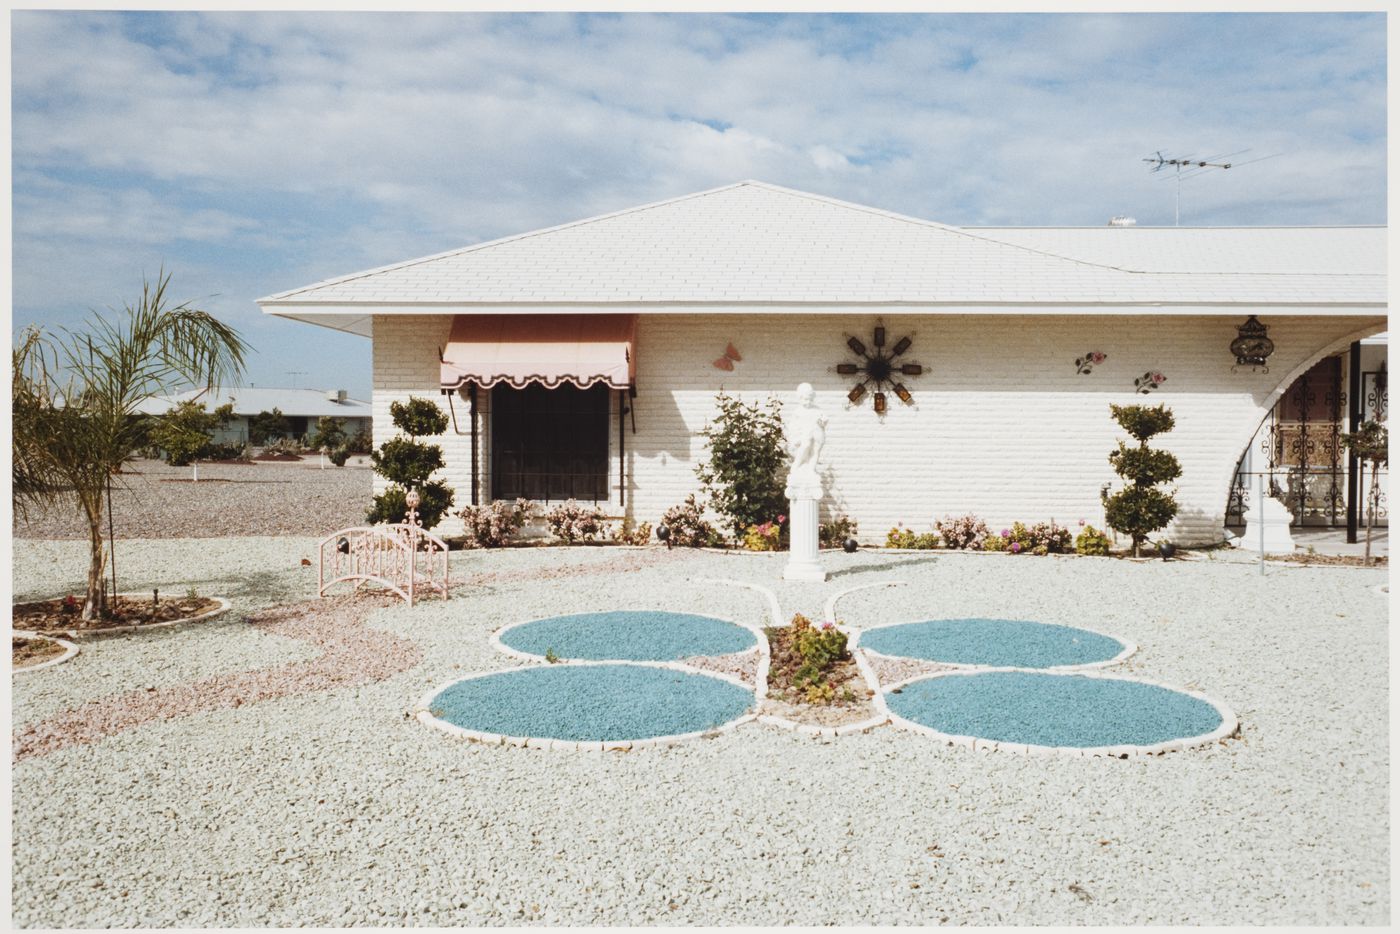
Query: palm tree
[[75, 399]]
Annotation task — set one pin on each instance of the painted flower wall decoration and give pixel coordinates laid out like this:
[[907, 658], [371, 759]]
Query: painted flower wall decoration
[[1149, 381], [1085, 365]]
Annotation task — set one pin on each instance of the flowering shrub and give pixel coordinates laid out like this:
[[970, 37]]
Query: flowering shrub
[[1091, 541], [686, 526], [963, 531], [628, 535], [767, 536], [490, 526], [570, 522], [833, 534], [900, 537]]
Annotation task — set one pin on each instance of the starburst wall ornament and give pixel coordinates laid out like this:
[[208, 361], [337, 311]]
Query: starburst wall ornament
[[879, 366]]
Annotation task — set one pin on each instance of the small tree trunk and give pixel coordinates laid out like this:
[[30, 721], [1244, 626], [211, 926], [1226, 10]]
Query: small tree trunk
[[96, 601], [1374, 498]]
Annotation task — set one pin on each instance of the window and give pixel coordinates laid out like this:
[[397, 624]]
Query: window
[[549, 444]]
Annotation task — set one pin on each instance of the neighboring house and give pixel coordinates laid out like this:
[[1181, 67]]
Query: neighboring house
[[583, 360], [301, 407]]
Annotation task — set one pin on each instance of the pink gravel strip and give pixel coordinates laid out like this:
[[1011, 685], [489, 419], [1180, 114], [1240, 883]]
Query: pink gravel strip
[[893, 670], [619, 564], [351, 654], [742, 665]]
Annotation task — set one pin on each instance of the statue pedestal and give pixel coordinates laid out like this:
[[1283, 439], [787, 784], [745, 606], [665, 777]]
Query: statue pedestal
[[1276, 517], [802, 542]]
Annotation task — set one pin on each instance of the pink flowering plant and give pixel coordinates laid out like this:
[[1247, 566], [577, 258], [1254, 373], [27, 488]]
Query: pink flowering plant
[[493, 525], [766, 536], [686, 526], [965, 532], [571, 522]]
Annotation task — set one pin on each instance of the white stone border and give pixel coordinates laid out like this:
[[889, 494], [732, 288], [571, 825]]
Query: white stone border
[[423, 713], [830, 608], [1229, 723], [219, 610], [70, 649], [1129, 649], [760, 640], [775, 609]]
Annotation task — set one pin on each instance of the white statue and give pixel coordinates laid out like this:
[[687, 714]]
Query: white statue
[[806, 437]]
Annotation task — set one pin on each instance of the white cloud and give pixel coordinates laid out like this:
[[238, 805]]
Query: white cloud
[[333, 142]]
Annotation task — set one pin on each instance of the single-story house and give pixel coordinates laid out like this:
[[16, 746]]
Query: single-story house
[[963, 370], [301, 407]]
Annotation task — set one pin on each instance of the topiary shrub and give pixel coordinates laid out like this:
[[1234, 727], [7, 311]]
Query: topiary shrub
[[1140, 509], [686, 526], [183, 434], [743, 476], [407, 462], [571, 522], [493, 525], [967, 532]]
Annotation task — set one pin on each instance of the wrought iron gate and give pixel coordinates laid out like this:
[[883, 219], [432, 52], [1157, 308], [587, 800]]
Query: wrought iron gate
[[1305, 463]]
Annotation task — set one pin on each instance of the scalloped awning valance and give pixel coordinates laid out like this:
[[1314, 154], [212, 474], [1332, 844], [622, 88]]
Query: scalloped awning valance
[[547, 349]]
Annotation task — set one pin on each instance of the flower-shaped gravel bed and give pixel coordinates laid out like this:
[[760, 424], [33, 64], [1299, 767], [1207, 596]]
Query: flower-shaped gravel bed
[[1055, 710], [995, 643], [591, 702], [627, 635]]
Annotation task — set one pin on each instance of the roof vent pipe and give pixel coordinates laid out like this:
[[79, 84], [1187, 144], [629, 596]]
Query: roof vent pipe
[[1122, 220]]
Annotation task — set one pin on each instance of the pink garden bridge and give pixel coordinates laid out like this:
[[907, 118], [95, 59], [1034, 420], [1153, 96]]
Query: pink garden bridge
[[402, 557]]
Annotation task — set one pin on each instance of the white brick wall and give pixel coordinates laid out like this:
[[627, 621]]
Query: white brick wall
[[1001, 424]]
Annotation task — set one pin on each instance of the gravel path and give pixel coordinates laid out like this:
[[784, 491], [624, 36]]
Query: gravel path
[[335, 808], [151, 499]]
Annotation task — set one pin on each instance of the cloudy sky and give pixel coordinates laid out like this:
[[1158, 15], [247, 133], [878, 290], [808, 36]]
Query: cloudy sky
[[252, 153]]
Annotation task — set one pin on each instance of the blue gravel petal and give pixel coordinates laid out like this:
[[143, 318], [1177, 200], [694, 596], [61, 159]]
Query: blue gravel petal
[[591, 702], [1044, 709], [630, 635], [993, 642]]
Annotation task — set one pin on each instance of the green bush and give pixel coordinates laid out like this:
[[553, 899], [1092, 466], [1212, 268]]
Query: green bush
[[1091, 542], [265, 426], [338, 455], [833, 534], [184, 432], [329, 434], [1141, 509], [408, 462], [900, 537], [743, 476]]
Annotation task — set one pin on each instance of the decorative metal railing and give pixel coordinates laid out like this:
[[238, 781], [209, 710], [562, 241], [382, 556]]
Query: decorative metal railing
[[402, 557]]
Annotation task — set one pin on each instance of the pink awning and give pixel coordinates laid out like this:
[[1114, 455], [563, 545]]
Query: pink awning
[[546, 349]]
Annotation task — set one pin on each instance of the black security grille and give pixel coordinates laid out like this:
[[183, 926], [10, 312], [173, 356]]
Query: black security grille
[[549, 444]]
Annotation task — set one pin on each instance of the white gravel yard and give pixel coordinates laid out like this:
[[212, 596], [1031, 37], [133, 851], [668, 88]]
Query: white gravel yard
[[337, 808]]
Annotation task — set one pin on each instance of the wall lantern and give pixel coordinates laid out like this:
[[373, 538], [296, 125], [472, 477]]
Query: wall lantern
[[1252, 347]]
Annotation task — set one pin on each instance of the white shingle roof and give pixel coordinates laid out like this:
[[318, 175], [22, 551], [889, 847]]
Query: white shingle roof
[[250, 400], [757, 243]]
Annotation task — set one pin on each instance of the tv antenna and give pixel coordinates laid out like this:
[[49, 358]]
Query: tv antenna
[[1191, 166], [294, 374]]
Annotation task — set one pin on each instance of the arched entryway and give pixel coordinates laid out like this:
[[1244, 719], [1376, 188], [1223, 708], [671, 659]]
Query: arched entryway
[[1298, 448]]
